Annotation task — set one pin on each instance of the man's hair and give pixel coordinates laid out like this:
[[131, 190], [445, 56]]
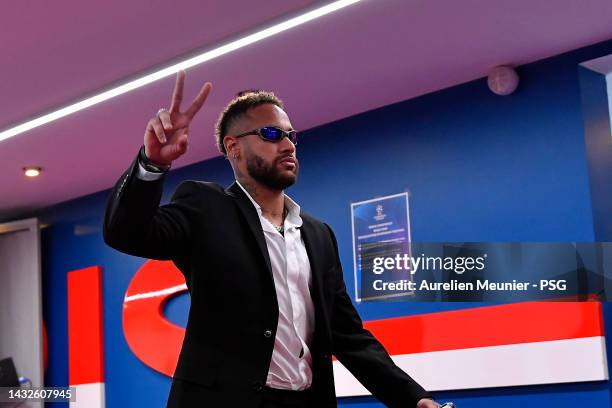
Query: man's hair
[[237, 107]]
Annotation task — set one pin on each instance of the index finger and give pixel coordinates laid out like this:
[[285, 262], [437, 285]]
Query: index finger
[[199, 100], [177, 95]]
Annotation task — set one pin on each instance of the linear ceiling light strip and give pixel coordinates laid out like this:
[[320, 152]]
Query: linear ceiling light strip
[[193, 61]]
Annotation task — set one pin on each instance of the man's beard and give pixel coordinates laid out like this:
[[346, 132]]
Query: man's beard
[[268, 175]]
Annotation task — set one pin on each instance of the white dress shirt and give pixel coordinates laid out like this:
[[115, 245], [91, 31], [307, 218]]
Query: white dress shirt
[[291, 365]]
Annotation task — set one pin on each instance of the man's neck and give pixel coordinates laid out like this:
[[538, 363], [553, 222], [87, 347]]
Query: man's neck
[[272, 202]]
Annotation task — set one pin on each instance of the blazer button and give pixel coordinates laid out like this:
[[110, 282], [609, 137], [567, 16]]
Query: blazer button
[[268, 333], [257, 386]]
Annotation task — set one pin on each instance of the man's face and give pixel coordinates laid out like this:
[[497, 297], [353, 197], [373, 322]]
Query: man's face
[[274, 165]]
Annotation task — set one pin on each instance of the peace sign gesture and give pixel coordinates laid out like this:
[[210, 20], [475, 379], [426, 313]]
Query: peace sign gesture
[[166, 136]]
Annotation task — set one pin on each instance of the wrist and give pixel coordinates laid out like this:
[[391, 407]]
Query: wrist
[[151, 165]]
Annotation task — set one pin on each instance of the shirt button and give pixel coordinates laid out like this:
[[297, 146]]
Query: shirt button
[[257, 386], [268, 333]]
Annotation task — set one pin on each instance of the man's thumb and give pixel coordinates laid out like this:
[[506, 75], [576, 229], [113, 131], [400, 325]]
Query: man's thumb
[[182, 143]]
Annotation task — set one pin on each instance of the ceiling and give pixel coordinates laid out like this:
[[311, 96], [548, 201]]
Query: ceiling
[[368, 55]]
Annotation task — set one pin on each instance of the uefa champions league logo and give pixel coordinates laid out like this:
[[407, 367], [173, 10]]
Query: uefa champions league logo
[[379, 213]]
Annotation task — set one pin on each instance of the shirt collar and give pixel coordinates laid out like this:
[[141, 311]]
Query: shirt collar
[[293, 209]]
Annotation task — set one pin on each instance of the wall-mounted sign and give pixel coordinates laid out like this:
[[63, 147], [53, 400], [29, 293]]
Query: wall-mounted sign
[[381, 230]]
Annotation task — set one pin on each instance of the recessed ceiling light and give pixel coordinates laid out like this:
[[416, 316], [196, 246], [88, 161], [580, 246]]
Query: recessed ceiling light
[[188, 63], [32, 171]]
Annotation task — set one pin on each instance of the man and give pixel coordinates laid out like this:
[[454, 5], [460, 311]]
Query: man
[[269, 305]]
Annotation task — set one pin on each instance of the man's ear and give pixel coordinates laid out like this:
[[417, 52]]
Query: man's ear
[[232, 146]]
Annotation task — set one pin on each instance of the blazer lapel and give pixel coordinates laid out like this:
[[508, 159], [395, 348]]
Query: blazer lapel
[[252, 218], [312, 241]]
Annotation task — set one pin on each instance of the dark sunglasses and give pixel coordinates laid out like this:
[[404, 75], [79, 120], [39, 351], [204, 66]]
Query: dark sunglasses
[[272, 134]]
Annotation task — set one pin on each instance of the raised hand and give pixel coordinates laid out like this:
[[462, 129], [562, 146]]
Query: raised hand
[[166, 136]]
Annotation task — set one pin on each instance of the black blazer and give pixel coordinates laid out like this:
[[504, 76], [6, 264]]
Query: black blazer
[[215, 238]]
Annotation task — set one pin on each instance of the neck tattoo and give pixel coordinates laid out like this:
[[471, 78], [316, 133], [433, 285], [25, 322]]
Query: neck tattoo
[[281, 228]]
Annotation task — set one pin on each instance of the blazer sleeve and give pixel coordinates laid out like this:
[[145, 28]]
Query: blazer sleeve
[[135, 224], [363, 355]]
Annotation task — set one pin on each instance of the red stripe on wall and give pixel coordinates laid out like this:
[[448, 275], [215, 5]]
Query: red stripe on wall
[[489, 326], [85, 326]]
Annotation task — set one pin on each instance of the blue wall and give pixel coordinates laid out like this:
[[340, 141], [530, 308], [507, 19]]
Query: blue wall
[[479, 168]]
